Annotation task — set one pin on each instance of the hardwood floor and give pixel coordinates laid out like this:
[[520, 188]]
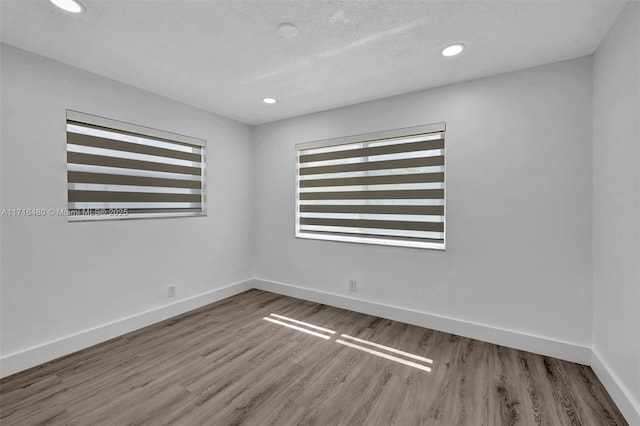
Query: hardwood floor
[[225, 365]]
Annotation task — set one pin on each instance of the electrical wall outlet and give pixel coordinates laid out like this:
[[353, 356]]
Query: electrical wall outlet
[[171, 291], [353, 285]]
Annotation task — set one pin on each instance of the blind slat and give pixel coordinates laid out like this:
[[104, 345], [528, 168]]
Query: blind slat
[[103, 178], [425, 236], [157, 207], [98, 142], [374, 195], [377, 150], [125, 163], [140, 134], [370, 209], [108, 196], [437, 160], [374, 180], [379, 224]]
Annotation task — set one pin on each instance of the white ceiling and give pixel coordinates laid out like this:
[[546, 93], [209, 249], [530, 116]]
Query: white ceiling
[[225, 56]]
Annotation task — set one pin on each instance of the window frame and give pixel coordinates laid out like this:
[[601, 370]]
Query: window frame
[[152, 133], [439, 127]]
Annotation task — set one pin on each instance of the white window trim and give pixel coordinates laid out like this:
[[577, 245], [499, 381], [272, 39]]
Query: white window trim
[[388, 134], [148, 131]]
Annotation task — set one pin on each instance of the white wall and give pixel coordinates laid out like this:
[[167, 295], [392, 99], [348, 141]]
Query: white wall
[[61, 278], [518, 205], [616, 205]]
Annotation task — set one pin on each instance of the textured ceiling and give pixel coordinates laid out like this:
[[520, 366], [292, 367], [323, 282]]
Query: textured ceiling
[[224, 56]]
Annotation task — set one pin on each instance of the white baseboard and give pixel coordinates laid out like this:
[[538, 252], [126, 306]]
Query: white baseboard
[[22, 360], [627, 404], [499, 336]]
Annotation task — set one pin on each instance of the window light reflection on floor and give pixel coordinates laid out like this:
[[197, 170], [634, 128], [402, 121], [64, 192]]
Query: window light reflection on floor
[[383, 355], [326, 330], [295, 327], [390, 349], [349, 342]]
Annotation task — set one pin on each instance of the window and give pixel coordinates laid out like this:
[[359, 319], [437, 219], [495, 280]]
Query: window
[[382, 188], [120, 170]]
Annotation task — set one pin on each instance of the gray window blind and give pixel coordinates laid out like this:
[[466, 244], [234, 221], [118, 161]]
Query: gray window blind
[[384, 188], [114, 166]]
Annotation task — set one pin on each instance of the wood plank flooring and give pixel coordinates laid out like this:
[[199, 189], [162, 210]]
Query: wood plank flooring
[[224, 364]]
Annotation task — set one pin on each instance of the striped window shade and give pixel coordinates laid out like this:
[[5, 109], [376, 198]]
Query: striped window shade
[[120, 170], [384, 188]]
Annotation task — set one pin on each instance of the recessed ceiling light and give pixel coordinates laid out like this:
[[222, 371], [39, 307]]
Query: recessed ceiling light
[[287, 30], [269, 100], [453, 50], [71, 6]]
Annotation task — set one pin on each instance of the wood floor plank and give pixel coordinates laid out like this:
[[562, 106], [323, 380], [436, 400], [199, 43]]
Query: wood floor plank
[[223, 364]]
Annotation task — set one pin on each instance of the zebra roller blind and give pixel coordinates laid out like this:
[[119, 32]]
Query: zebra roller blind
[[120, 170], [384, 188]]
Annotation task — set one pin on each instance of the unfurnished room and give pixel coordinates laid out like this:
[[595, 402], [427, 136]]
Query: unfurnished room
[[320, 212]]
